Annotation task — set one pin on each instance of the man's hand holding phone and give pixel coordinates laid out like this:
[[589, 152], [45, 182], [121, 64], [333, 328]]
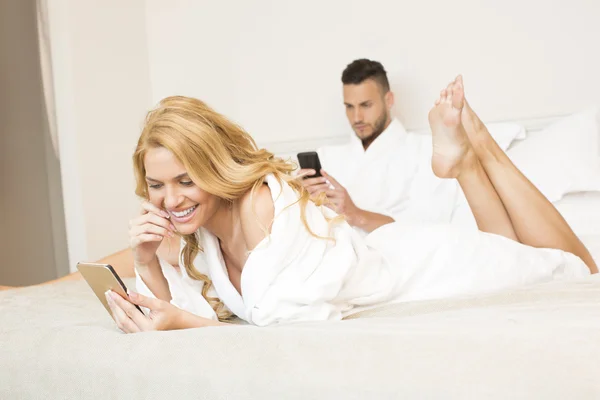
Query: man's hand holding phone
[[317, 181], [314, 185], [339, 200], [310, 173]]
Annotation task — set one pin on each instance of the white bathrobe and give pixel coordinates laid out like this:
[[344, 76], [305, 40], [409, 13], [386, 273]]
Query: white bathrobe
[[393, 176], [293, 276]]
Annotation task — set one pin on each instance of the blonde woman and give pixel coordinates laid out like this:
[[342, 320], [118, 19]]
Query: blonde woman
[[254, 245]]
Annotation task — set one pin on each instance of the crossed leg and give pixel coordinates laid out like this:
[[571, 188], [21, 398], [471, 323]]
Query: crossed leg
[[501, 198]]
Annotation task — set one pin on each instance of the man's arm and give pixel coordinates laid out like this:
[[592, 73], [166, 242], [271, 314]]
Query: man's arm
[[342, 203], [366, 220]]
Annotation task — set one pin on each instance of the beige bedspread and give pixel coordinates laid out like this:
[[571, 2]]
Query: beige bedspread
[[57, 342]]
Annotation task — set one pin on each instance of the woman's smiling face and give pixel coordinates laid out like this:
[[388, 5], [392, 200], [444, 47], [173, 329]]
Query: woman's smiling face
[[170, 188]]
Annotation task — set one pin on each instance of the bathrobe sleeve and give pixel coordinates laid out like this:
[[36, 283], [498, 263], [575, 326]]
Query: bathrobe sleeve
[[186, 293], [429, 199]]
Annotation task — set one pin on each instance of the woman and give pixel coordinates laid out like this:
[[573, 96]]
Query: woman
[[255, 245]]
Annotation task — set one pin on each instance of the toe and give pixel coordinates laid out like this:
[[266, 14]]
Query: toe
[[448, 98], [458, 96], [443, 95], [450, 85]]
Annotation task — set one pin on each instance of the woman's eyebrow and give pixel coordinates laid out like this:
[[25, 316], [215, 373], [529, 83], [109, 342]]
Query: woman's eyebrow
[[185, 174]]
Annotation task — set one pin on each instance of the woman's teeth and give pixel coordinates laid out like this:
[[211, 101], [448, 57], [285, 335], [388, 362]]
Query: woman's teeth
[[181, 214]]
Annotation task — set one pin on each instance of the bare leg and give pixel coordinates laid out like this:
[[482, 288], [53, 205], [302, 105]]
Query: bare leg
[[454, 157], [535, 220], [121, 261]]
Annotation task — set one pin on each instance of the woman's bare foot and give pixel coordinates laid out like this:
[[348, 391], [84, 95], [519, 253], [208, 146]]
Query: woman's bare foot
[[476, 131], [451, 147]]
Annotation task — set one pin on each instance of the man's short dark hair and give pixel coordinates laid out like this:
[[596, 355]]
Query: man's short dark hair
[[362, 69]]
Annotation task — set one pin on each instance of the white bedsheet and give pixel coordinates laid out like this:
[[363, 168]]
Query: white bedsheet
[[541, 342]]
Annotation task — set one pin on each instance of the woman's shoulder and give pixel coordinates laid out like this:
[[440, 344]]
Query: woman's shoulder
[[257, 211]]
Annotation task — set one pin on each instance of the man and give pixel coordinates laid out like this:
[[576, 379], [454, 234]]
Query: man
[[384, 174]]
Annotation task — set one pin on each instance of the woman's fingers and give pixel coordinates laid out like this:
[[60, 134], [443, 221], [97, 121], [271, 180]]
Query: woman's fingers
[[147, 233], [121, 318], [150, 228], [152, 218], [150, 303], [152, 214], [138, 318], [144, 238], [160, 221], [149, 207], [144, 229]]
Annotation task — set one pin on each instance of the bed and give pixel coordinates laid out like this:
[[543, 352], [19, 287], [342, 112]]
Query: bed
[[538, 342]]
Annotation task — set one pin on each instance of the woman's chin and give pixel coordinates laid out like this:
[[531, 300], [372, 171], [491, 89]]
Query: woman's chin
[[187, 228]]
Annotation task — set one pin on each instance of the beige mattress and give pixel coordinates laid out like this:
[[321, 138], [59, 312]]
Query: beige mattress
[[543, 342]]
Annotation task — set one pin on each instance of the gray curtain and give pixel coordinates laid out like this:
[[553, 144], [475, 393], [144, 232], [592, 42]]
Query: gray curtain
[[46, 64]]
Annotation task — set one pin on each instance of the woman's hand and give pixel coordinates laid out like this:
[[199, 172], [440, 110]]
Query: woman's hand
[[147, 232], [163, 315]]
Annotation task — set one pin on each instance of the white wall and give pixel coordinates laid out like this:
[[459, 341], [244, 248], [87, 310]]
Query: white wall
[[275, 66], [102, 86]]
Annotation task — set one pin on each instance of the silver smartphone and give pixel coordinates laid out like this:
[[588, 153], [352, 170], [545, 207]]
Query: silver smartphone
[[103, 277]]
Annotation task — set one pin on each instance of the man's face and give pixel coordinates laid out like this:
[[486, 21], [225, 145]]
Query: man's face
[[367, 108]]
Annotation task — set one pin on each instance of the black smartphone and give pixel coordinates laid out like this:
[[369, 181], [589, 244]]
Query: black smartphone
[[310, 160]]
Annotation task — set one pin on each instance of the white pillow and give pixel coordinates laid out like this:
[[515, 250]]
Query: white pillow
[[564, 157], [504, 133], [582, 212]]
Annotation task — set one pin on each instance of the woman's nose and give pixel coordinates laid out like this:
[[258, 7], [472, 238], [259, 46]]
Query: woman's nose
[[172, 199]]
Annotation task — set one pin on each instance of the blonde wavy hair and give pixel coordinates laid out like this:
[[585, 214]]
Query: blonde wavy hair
[[219, 156]]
